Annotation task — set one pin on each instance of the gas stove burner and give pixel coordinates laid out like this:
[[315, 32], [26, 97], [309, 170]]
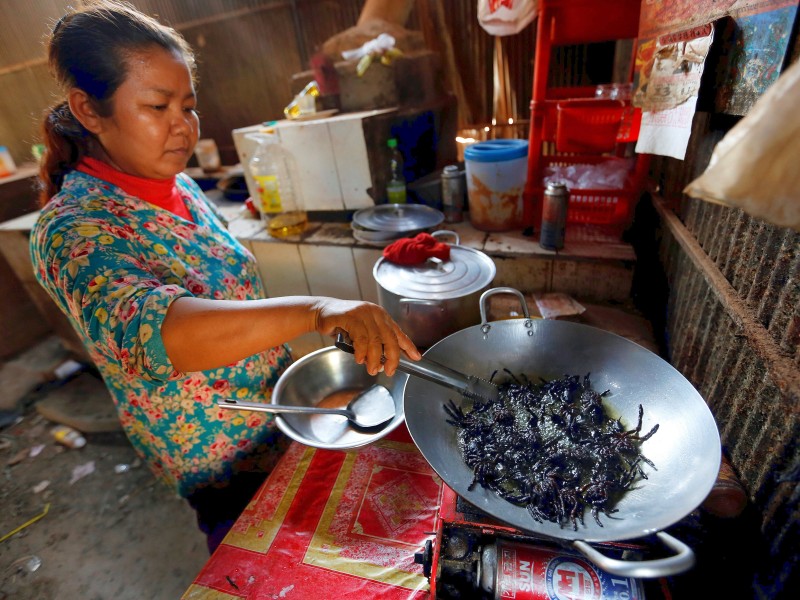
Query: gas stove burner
[[471, 512]]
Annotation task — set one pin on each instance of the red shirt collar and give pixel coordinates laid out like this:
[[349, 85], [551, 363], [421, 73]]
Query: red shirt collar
[[160, 192]]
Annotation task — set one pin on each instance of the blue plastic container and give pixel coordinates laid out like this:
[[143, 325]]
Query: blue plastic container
[[496, 173]]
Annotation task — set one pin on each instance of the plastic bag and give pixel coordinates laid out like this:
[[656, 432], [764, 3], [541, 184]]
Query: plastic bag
[[506, 17], [754, 167], [609, 175], [379, 45], [382, 47]]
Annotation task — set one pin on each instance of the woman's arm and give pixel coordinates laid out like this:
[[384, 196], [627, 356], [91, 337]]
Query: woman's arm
[[202, 334]]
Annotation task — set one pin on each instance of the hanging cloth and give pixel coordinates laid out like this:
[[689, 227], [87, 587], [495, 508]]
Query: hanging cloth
[[506, 17], [416, 250]]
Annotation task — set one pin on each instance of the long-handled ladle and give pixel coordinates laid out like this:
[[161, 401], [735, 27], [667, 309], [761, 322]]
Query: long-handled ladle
[[370, 408]]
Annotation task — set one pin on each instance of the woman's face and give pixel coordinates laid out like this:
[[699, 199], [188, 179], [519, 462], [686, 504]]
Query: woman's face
[[153, 127]]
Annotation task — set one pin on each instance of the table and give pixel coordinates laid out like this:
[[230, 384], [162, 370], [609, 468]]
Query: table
[[331, 524], [18, 192]]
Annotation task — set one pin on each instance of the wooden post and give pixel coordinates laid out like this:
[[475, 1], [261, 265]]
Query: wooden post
[[393, 11], [434, 29]]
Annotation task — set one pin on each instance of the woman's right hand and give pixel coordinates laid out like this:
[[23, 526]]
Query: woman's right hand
[[377, 339], [201, 334]]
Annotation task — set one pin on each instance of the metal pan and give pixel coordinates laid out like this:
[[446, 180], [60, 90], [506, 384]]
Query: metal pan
[[685, 450]]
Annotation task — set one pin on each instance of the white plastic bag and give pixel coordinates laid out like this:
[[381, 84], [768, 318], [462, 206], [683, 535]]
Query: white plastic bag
[[755, 166], [608, 175], [506, 17], [379, 45]]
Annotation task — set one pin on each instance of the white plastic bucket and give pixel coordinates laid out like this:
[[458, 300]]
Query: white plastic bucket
[[496, 173]]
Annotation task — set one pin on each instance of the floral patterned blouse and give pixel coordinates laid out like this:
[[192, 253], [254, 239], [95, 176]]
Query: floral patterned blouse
[[114, 263]]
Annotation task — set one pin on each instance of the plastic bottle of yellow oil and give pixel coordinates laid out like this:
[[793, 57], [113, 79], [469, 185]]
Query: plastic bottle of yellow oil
[[279, 197]]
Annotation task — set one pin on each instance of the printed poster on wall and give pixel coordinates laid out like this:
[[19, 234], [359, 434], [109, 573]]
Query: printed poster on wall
[[755, 51], [755, 35], [669, 81]]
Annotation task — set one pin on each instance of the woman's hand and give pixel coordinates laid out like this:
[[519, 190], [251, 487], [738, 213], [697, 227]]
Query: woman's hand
[[373, 333]]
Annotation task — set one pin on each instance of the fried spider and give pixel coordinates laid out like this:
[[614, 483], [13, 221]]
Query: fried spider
[[552, 448]]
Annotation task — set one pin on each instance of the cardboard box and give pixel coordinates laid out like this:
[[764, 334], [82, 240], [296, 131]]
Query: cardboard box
[[332, 158]]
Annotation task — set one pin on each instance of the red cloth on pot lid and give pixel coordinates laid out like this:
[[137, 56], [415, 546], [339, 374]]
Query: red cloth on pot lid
[[416, 250]]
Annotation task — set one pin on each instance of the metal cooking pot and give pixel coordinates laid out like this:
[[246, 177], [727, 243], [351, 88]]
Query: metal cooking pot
[[432, 300], [685, 450]]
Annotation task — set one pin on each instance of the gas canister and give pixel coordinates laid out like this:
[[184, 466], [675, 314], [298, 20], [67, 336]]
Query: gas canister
[[527, 572], [453, 193], [554, 216]]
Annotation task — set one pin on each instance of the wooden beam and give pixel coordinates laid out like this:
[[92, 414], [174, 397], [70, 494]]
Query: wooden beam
[[21, 66]]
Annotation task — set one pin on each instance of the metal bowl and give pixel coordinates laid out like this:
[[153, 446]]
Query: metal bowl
[[315, 377]]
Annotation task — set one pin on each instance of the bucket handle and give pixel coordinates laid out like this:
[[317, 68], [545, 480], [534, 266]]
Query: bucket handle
[[682, 561], [501, 290]]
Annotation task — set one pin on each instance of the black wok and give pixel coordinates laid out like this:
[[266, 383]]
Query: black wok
[[685, 450]]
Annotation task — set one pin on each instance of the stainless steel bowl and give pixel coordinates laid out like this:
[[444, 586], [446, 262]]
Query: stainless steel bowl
[[318, 375]]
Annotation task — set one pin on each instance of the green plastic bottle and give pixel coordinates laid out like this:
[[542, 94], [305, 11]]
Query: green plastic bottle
[[396, 184]]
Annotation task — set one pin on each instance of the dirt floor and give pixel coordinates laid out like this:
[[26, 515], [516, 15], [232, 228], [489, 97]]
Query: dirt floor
[[90, 523]]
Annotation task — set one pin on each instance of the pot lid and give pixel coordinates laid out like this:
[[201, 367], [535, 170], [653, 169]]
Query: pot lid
[[466, 272], [398, 217]]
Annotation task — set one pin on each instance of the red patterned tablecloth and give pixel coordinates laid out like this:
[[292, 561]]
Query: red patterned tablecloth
[[331, 524]]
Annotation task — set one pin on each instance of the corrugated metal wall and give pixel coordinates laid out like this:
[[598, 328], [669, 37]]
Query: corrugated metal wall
[[732, 326]]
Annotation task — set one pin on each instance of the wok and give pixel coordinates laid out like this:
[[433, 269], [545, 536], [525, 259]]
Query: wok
[[685, 450]]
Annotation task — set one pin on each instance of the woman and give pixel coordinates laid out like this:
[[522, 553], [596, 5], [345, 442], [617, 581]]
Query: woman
[[168, 304]]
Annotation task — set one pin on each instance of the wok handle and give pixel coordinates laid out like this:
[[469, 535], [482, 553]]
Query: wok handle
[[660, 567], [484, 299]]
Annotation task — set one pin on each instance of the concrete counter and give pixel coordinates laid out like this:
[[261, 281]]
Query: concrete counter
[[327, 260]]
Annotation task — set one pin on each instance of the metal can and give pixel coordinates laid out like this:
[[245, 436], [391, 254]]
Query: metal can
[[527, 572], [453, 191], [554, 216]]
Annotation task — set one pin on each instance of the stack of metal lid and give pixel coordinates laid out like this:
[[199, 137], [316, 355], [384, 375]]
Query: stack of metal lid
[[384, 223]]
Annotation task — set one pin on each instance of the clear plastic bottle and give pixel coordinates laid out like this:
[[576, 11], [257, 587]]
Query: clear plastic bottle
[[396, 184], [303, 103], [279, 198]]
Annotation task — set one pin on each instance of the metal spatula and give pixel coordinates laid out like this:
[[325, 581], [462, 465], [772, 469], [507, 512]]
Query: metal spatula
[[370, 408], [469, 385]]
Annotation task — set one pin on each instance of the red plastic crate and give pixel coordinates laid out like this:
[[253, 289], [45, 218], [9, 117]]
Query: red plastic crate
[[630, 126], [610, 208], [585, 21], [564, 23], [588, 125]]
